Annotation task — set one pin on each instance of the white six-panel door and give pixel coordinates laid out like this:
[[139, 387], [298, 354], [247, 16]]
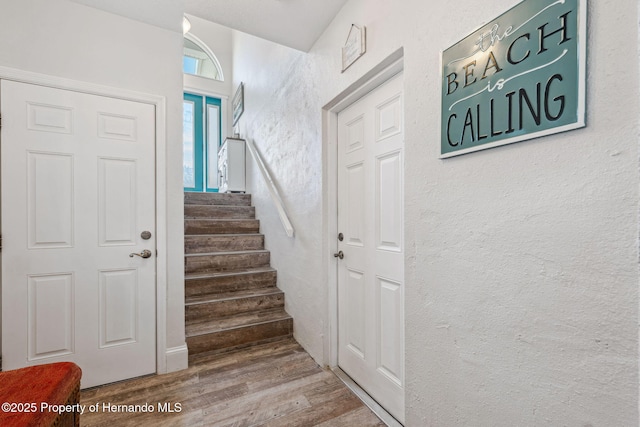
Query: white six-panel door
[[370, 217], [78, 189]]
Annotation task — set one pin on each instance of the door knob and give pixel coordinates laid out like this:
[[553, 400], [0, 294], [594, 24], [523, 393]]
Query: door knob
[[340, 255], [144, 254]]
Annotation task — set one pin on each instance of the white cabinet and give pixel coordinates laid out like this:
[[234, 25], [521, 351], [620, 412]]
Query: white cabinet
[[231, 165]]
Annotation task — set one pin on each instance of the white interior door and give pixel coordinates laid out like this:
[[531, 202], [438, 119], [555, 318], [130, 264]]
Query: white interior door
[[370, 217], [78, 188]]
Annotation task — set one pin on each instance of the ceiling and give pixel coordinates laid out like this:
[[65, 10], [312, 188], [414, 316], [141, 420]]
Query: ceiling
[[160, 13], [294, 23]]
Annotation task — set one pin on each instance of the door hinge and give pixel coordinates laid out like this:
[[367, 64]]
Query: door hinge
[[0, 242]]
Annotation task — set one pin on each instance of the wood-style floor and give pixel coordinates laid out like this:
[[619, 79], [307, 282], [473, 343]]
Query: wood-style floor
[[275, 384]]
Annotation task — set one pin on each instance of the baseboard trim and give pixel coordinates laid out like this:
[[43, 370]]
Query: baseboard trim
[[375, 407], [177, 358]]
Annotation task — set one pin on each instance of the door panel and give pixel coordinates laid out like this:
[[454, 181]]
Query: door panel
[[117, 201], [50, 200], [370, 215], [51, 321], [356, 321], [78, 188], [389, 342], [355, 204], [118, 303], [389, 202]]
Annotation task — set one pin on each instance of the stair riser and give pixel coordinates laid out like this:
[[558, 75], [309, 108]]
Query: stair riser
[[231, 339], [219, 212], [217, 309], [222, 243], [219, 285], [227, 262], [201, 226], [229, 199]]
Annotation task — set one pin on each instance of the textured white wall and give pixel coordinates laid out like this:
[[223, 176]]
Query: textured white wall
[[65, 39], [285, 139], [522, 261]]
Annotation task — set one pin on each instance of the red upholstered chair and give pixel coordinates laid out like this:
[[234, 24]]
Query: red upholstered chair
[[28, 391]]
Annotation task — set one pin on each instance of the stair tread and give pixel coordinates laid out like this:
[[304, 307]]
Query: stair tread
[[223, 219], [219, 206], [233, 295], [219, 212], [224, 236], [281, 343], [210, 243], [247, 271], [193, 227], [196, 227], [235, 322], [249, 252], [217, 199]]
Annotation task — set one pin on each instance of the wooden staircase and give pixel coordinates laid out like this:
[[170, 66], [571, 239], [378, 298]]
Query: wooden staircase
[[231, 296]]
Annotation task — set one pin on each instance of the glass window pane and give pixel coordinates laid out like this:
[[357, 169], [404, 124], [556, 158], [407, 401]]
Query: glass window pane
[[198, 62], [213, 143], [189, 65], [188, 145]]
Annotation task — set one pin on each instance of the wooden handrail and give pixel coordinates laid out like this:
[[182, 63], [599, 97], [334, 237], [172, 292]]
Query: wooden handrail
[[273, 190]]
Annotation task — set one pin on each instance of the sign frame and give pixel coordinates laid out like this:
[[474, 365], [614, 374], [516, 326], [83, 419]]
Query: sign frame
[[237, 104], [495, 31], [355, 46]]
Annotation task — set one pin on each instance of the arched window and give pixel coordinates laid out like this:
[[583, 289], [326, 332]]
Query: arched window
[[199, 60]]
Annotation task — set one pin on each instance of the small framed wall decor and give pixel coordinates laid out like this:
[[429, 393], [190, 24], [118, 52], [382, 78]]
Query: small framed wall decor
[[237, 104], [354, 47]]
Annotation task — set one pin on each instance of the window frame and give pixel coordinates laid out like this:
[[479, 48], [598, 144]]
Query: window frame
[[202, 149], [200, 44]]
